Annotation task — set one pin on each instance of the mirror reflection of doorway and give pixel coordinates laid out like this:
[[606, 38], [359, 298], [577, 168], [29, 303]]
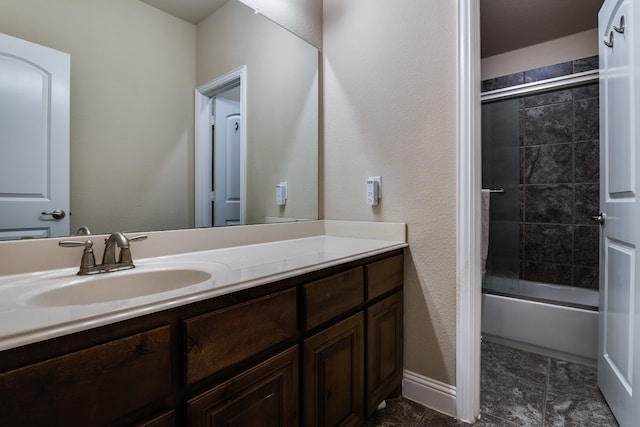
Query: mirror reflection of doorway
[[221, 150], [225, 186]]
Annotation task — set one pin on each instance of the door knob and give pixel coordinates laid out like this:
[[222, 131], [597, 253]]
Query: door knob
[[600, 218], [56, 214]]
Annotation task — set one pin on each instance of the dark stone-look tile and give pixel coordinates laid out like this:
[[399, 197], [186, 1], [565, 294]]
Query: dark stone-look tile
[[586, 240], [548, 124], [399, 411], [587, 161], [436, 419], [587, 203], [503, 82], [522, 206], [521, 123], [572, 378], [586, 121], [586, 64], [586, 91], [548, 243], [553, 97], [586, 277], [563, 409], [548, 72], [522, 163], [549, 164], [487, 420], [551, 203], [511, 399], [499, 360], [547, 273]]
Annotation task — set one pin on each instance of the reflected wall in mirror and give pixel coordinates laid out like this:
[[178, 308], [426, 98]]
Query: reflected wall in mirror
[[134, 70]]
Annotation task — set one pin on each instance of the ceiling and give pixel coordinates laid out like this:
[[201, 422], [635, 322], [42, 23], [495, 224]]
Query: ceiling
[[512, 24], [505, 24], [193, 11]]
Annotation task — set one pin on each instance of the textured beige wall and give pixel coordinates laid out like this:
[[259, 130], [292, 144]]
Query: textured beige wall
[[301, 17], [390, 110], [132, 80], [282, 106], [575, 46]]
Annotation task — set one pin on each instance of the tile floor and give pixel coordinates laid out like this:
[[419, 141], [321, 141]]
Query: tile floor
[[517, 389]]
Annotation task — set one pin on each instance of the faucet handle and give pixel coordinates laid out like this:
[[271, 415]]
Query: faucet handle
[[137, 238], [88, 261], [125, 252]]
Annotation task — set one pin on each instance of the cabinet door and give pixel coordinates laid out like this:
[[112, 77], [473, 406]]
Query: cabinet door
[[384, 349], [95, 386], [334, 375], [264, 396], [167, 419]]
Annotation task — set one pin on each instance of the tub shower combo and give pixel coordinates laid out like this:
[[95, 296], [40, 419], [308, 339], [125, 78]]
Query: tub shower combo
[[540, 162]]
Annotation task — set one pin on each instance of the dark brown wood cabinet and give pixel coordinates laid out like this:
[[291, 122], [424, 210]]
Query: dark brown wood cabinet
[[164, 420], [94, 386], [320, 349], [217, 340], [334, 375], [384, 349], [263, 396]]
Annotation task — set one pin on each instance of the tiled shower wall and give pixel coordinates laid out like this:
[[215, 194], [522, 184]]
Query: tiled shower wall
[[559, 177]]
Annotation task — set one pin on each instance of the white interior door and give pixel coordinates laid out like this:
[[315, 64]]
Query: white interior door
[[619, 340], [34, 140], [226, 160]]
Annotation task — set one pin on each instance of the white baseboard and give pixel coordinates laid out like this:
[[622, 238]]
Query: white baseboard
[[429, 392]]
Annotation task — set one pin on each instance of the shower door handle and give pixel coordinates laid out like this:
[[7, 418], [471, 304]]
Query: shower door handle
[[600, 218]]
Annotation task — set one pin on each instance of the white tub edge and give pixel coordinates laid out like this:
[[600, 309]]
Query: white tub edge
[[558, 331]]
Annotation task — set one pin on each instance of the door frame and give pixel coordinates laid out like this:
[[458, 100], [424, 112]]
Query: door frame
[[203, 138], [468, 184]]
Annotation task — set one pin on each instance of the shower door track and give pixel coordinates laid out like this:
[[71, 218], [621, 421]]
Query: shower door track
[[562, 82]]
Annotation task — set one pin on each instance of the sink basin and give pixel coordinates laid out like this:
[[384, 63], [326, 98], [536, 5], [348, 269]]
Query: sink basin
[[118, 286]]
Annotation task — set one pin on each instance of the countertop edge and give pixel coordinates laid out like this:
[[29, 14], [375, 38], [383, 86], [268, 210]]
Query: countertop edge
[[65, 328]]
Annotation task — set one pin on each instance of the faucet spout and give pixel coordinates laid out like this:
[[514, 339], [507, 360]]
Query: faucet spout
[[124, 261], [115, 239]]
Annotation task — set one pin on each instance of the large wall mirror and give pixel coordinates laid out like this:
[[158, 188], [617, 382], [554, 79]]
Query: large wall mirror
[[134, 74]]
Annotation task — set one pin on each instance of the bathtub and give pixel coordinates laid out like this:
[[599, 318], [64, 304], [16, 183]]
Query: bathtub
[[568, 331]]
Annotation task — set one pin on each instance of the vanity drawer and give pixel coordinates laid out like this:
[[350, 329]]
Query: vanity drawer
[[217, 340], [384, 276], [94, 386], [330, 297]]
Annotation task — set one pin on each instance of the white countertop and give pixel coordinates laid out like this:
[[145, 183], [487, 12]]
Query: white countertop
[[23, 320]]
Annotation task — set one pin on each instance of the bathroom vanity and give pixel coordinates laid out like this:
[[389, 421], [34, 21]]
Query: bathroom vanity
[[291, 342]]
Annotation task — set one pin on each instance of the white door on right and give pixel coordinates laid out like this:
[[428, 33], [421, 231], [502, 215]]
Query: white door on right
[[619, 329]]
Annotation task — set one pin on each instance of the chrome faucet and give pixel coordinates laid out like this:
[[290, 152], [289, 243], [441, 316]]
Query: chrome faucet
[[83, 230], [124, 262], [109, 263]]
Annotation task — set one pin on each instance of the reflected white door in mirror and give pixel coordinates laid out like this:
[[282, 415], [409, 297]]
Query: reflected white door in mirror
[[34, 140], [221, 150], [226, 162]]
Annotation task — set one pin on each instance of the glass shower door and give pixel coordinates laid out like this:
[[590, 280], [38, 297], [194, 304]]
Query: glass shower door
[[501, 170]]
